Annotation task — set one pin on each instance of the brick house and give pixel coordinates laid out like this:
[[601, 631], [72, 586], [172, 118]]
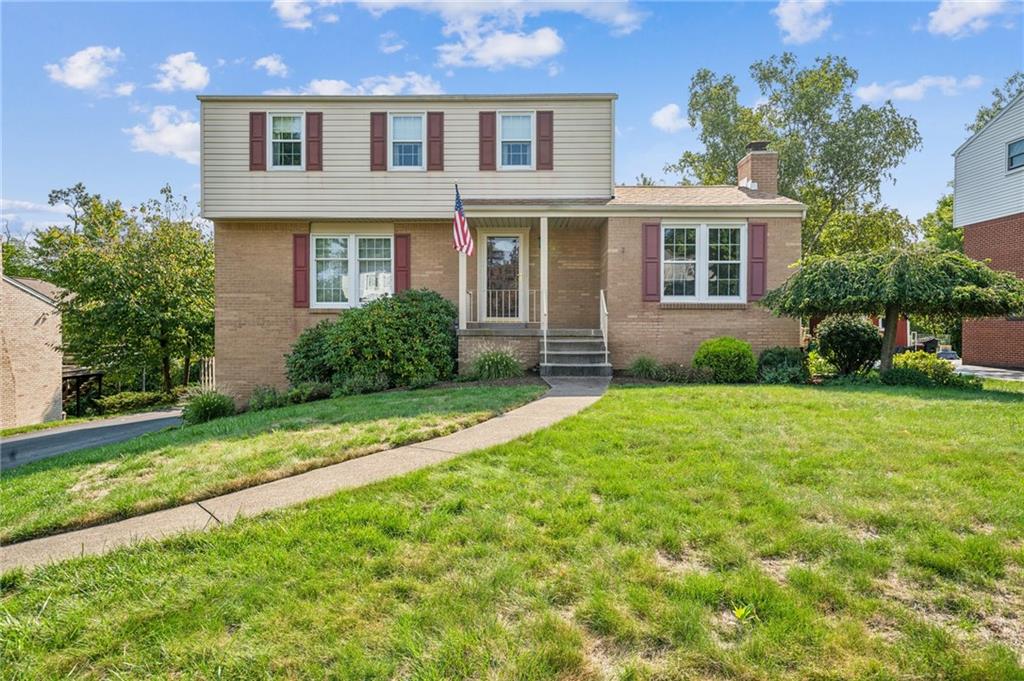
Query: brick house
[[988, 203], [30, 356], [322, 203]]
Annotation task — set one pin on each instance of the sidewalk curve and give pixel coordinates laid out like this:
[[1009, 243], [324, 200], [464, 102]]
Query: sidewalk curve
[[565, 398]]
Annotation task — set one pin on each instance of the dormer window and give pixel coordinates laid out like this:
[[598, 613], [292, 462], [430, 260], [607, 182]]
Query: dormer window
[[286, 141], [408, 140]]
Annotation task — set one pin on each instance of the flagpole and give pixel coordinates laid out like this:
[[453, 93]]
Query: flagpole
[[463, 284]]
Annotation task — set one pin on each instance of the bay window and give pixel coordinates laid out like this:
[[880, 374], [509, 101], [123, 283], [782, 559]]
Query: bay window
[[703, 263], [371, 258]]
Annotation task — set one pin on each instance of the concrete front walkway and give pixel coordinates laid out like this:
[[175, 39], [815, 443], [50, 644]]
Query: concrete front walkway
[[565, 398]]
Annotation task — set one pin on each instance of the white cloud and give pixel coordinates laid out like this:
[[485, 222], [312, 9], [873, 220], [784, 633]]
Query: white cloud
[[802, 21], [669, 118], [500, 49], [8, 206], [410, 83], [916, 91], [390, 43], [554, 69], [182, 71], [86, 69], [124, 89], [293, 13], [960, 18], [169, 132], [272, 64]]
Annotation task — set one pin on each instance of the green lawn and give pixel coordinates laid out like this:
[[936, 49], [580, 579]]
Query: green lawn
[[180, 465], [858, 532]]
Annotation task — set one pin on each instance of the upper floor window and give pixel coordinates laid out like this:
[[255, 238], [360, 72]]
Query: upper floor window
[[286, 141], [515, 140], [703, 263], [337, 256], [408, 141], [1015, 155]]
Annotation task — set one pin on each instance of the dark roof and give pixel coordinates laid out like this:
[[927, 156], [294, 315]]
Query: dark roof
[[43, 288]]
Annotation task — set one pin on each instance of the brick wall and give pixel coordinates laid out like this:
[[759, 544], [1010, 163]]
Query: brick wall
[[524, 348], [672, 332], [996, 342], [30, 362], [574, 277], [762, 167]]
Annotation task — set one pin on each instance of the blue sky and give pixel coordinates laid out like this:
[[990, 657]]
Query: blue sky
[[104, 93]]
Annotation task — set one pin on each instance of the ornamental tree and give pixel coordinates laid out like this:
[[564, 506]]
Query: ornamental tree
[[915, 280]]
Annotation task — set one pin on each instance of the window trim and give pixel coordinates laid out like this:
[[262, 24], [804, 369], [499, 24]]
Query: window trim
[[302, 140], [701, 295], [500, 135], [423, 141], [353, 268], [1010, 170]]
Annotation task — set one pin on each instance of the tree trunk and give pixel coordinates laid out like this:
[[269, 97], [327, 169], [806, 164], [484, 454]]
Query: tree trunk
[[165, 362], [892, 322], [187, 367]]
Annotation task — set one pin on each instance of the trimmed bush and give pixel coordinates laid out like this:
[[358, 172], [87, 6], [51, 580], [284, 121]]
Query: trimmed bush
[[308, 360], [852, 344], [266, 397], [495, 365], [818, 365], [907, 376], [680, 373], [206, 406], [309, 392], [645, 367], [783, 365], [729, 359], [361, 383], [134, 401], [938, 371]]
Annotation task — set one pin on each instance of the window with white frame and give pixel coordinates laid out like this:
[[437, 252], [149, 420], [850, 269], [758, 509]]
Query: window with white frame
[[286, 141], [1015, 155], [408, 141], [335, 256], [515, 140], [703, 263]]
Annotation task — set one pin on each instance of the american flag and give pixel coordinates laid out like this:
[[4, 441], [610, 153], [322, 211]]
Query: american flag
[[462, 239]]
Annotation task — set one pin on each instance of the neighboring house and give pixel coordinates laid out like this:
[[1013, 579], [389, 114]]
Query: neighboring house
[[988, 203], [30, 357], [322, 203]]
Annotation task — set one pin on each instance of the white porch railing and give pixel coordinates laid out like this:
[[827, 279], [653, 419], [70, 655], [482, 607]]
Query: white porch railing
[[604, 324], [503, 305]]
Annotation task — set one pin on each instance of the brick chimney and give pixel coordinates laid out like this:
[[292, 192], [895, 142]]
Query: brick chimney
[[759, 169]]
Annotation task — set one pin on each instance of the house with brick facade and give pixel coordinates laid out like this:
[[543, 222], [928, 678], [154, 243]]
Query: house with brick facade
[[30, 356], [320, 204], [988, 203]]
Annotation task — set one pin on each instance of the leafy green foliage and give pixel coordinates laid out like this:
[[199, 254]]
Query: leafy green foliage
[[729, 359], [360, 383], [309, 391], [870, 228], [939, 371], [850, 343], [1001, 96], [266, 397], [833, 154], [494, 365], [645, 367], [134, 401], [818, 365], [207, 406], [937, 227], [309, 359], [17, 257], [782, 365], [680, 373], [907, 376]]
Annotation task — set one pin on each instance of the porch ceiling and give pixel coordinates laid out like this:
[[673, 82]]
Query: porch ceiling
[[584, 222]]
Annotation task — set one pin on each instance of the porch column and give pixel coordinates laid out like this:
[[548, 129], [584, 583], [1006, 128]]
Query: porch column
[[463, 294], [544, 274]]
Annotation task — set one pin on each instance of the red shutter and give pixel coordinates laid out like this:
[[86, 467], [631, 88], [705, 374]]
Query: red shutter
[[403, 263], [488, 135], [757, 254], [300, 270], [314, 140], [545, 140], [378, 141], [652, 261], [435, 140], [257, 140]]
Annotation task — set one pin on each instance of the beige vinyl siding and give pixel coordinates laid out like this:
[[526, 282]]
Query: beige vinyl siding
[[982, 187], [347, 188]]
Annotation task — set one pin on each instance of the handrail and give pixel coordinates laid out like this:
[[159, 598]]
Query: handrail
[[604, 324]]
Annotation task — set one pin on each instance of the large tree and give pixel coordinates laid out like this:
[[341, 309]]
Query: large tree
[[898, 282], [937, 226], [833, 154], [1001, 96]]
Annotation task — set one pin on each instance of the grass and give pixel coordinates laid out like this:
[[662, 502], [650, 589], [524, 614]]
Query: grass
[[180, 465], [46, 425], [758, 532]]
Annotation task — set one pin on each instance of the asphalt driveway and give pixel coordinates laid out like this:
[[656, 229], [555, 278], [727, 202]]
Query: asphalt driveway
[[21, 449]]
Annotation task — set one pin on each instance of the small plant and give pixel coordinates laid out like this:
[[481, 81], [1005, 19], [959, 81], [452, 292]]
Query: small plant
[[730, 360], [309, 391], [924, 369], [745, 614], [206, 406], [266, 397], [495, 365], [645, 367], [907, 376], [852, 344], [361, 383], [783, 365], [680, 373], [939, 370], [819, 366]]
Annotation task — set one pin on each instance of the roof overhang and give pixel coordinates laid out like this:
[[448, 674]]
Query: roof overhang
[[31, 291], [561, 97]]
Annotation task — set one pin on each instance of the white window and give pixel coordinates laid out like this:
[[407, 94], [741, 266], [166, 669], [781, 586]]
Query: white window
[[703, 263], [408, 141], [1015, 155], [515, 140], [335, 256], [286, 143]]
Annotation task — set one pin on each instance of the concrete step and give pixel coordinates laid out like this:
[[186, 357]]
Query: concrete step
[[574, 356], [574, 345], [552, 369], [574, 333]]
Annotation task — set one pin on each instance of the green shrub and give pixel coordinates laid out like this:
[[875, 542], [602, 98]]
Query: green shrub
[[680, 373], [308, 362], [852, 344], [818, 365], [871, 377], [206, 406], [495, 365], [361, 383], [133, 401], [266, 397], [783, 365], [907, 376], [309, 391], [423, 380], [730, 360], [938, 370], [645, 367], [965, 382], [394, 340]]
